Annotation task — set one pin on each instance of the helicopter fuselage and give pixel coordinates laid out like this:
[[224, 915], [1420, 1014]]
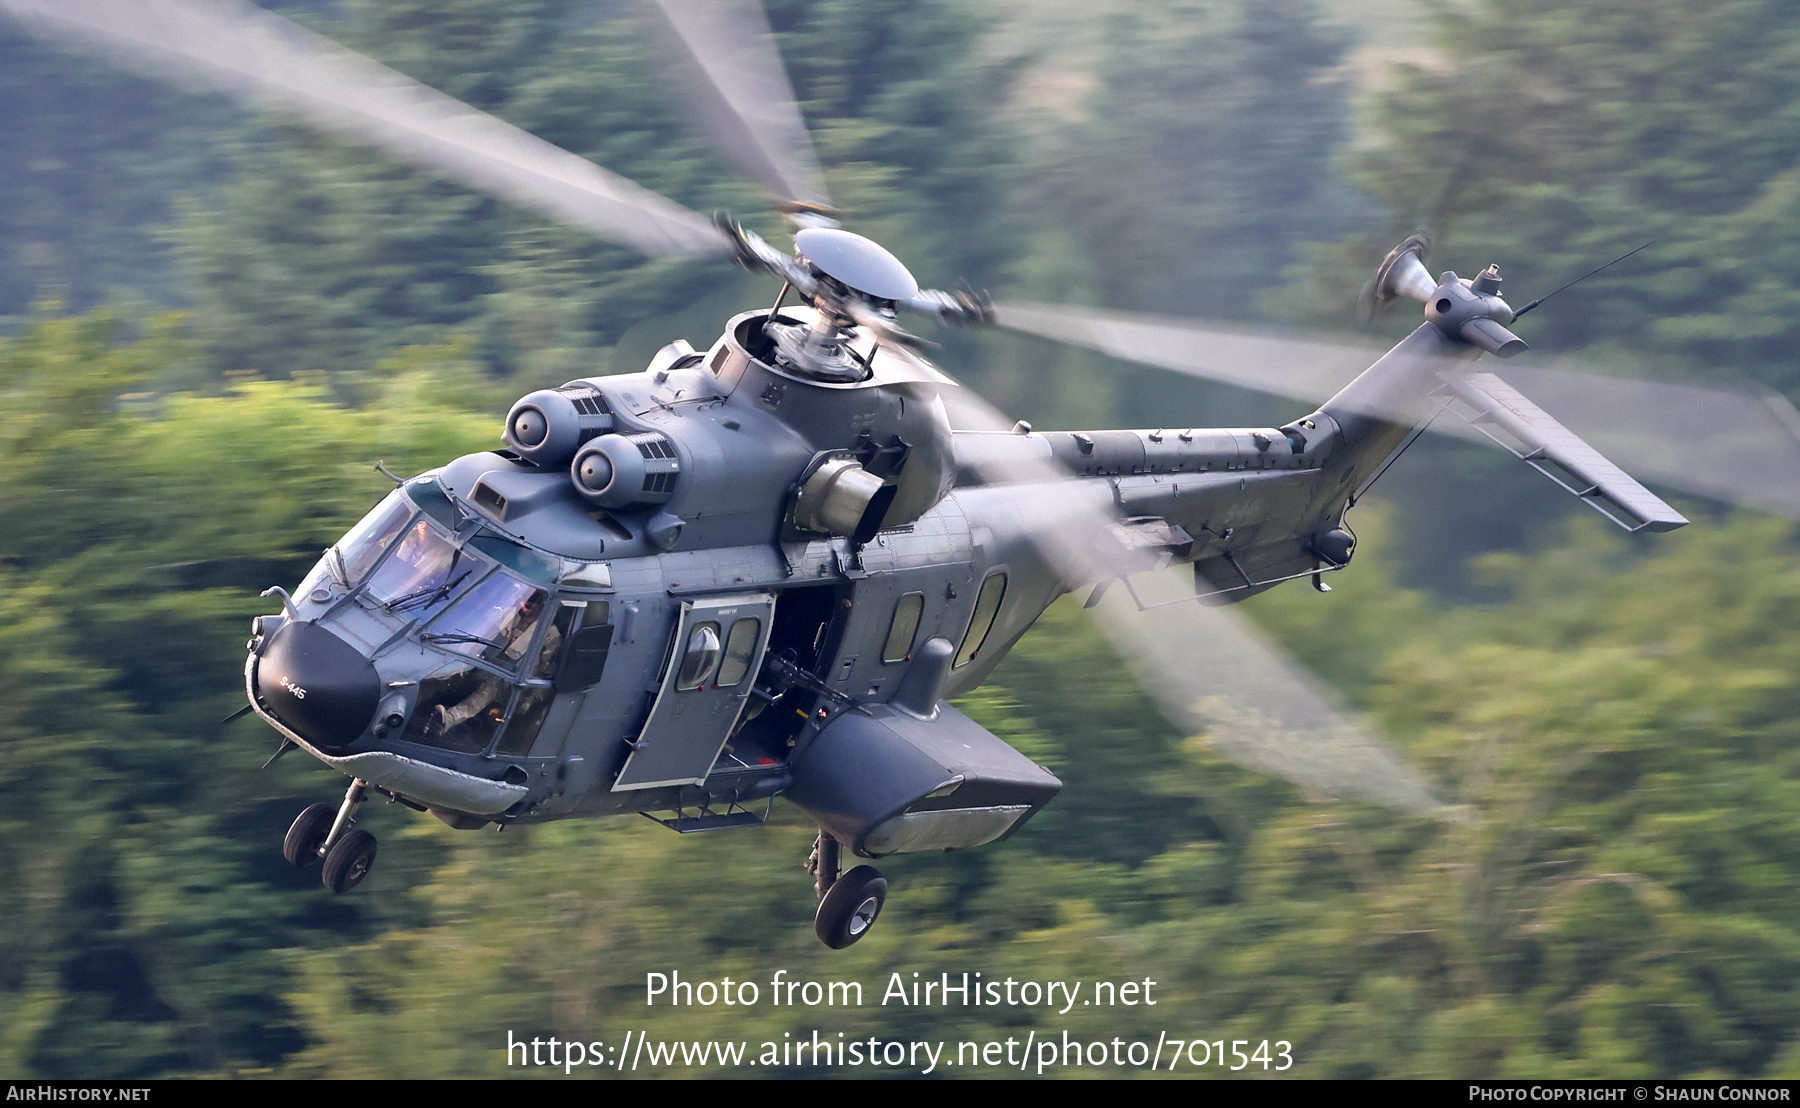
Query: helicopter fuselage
[[493, 644]]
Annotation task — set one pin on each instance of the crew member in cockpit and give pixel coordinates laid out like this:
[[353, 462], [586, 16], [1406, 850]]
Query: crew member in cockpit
[[492, 691]]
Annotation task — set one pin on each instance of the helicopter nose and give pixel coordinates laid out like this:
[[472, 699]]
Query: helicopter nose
[[317, 684]]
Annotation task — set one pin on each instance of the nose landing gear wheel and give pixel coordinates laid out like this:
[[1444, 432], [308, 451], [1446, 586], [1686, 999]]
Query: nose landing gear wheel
[[301, 847], [850, 907], [348, 861]]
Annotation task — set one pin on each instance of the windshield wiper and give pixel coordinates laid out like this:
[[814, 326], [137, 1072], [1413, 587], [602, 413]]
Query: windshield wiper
[[425, 595], [458, 636]]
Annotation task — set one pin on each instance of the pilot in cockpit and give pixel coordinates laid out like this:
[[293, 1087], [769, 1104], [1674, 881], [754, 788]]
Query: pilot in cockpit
[[492, 691]]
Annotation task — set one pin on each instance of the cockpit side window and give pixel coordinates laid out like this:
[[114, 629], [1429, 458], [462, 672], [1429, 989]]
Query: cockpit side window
[[528, 712], [584, 659], [547, 655], [368, 540]]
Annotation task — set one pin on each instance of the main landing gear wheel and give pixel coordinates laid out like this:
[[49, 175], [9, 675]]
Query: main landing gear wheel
[[301, 847], [349, 860], [850, 907]]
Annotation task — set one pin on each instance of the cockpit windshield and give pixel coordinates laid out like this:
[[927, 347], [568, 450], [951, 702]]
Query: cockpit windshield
[[350, 558], [422, 572], [494, 621]]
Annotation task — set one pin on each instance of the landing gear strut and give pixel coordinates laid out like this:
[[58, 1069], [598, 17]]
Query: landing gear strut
[[823, 864], [848, 904], [320, 832]]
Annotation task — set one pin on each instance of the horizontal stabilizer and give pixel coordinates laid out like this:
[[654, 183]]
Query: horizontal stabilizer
[[1503, 414]]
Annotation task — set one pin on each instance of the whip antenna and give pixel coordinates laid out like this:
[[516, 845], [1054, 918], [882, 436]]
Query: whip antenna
[[1581, 278]]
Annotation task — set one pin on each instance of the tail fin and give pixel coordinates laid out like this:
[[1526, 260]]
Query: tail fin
[[1430, 372]]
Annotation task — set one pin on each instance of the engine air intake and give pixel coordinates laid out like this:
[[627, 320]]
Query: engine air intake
[[622, 471]]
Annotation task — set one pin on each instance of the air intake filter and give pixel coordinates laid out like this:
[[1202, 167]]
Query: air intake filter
[[547, 427]]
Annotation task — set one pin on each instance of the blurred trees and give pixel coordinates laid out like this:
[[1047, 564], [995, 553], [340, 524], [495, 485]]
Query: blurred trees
[[90, 162], [1629, 770], [319, 255], [1174, 157], [146, 917], [1199, 156], [1203, 153]]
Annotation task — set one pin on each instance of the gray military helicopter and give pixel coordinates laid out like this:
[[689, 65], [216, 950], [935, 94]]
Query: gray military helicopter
[[762, 568]]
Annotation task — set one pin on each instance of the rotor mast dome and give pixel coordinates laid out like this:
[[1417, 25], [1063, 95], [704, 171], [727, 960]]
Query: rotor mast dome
[[859, 263]]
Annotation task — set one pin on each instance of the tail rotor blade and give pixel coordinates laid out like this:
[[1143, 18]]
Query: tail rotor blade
[[239, 49]]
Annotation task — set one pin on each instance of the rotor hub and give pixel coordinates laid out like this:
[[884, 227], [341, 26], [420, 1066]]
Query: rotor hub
[[820, 350]]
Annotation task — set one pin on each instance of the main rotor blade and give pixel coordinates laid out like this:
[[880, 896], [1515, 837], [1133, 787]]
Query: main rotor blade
[[240, 49], [1214, 673], [1734, 445], [1305, 369], [738, 92], [1208, 669]]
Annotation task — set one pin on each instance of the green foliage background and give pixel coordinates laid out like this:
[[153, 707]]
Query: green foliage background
[[1616, 719]]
